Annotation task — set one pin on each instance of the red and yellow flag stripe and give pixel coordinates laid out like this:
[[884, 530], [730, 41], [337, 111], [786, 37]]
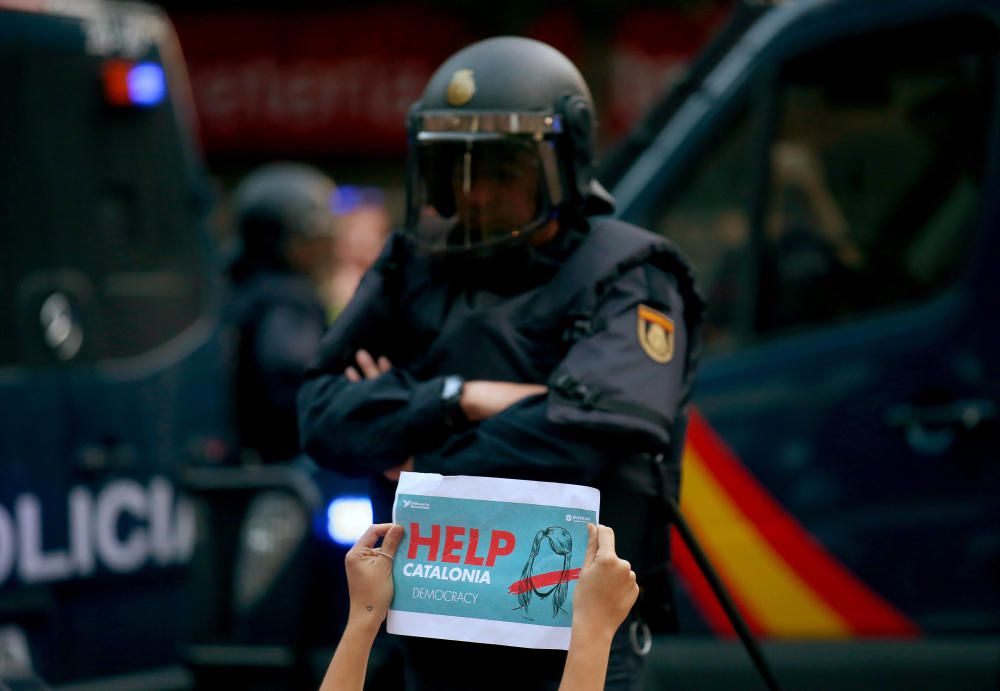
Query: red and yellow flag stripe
[[784, 581], [651, 315]]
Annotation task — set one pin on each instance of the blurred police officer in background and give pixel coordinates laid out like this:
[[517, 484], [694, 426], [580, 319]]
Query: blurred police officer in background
[[285, 228], [509, 331]]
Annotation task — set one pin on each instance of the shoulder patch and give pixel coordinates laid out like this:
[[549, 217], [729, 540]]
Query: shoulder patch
[[656, 334]]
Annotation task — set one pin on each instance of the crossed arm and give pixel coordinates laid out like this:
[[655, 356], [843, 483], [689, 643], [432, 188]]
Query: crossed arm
[[602, 598], [480, 401], [359, 414]]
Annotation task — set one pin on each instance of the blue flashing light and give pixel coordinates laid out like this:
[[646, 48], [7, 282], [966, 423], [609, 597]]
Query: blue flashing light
[[349, 198], [346, 199], [347, 518], [147, 84]]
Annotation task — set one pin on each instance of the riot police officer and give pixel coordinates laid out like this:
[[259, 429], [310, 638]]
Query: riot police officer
[[284, 222], [509, 331]]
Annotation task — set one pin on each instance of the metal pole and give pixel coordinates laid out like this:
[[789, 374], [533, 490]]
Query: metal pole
[[735, 618]]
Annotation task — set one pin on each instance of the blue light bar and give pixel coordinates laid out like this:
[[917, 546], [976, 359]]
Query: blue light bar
[[147, 84], [347, 518], [349, 198], [345, 199]]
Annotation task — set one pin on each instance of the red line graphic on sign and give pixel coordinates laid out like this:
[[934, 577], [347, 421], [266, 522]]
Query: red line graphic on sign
[[542, 580]]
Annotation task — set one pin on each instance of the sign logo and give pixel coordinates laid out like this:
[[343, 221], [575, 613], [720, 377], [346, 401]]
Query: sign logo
[[462, 88]]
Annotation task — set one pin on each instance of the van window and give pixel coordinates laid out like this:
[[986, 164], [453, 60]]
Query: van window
[[99, 255], [871, 187], [709, 220], [876, 174]]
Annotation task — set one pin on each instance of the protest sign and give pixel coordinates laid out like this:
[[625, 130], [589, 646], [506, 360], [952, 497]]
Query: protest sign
[[489, 560]]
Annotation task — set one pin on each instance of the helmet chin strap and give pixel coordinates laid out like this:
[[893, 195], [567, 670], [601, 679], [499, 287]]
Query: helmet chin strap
[[536, 233]]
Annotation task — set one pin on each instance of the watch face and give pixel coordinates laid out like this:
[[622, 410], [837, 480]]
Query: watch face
[[452, 386]]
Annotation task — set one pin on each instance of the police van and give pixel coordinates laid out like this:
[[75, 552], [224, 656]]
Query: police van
[[108, 354], [832, 169]]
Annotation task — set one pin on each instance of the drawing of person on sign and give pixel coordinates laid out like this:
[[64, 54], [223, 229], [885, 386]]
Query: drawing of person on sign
[[547, 573]]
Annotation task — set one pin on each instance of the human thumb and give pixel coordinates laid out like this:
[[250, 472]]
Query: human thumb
[[591, 552]]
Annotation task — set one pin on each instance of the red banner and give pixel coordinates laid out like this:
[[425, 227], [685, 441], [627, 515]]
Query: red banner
[[652, 49], [312, 84], [342, 83]]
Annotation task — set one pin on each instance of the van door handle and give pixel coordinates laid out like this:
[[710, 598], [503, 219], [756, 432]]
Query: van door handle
[[931, 429]]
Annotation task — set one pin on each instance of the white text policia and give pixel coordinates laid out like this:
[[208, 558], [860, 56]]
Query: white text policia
[[122, 528]]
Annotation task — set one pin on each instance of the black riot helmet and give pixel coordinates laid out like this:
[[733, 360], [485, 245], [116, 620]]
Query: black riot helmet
[[501, 143], [275, 205]]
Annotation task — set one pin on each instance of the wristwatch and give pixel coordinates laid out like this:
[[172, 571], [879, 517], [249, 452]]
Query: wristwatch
[[451, 401]]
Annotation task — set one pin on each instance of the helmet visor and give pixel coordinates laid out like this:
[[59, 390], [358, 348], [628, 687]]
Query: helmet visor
[[474, 192]]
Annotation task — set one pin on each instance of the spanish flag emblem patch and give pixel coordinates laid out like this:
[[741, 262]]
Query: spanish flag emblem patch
[[656, 334]]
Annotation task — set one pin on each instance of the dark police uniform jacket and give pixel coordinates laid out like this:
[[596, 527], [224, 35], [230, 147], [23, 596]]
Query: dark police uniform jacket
[[274, 325], [607, 320]]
